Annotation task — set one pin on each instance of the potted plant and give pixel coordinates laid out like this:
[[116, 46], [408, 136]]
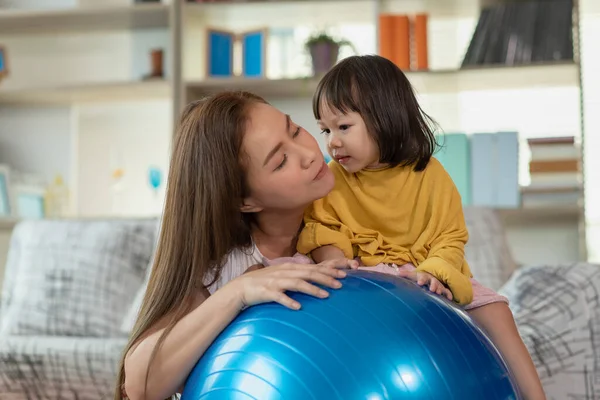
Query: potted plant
[[324, 51]]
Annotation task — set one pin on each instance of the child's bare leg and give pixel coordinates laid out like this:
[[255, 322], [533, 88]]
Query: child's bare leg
[[497, 321]]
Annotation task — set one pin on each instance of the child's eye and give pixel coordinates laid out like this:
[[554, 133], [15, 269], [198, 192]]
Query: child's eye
[[296, 133], [325, 132], [344, 127]]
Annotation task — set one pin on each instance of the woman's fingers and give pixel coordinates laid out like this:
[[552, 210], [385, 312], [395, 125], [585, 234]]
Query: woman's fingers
[[286, 301], [322, 276]]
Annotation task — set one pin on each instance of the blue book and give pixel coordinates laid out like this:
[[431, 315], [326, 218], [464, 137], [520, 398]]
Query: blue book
[[454, 155], [483, 173], [220, 53], [508, 194], [2, 61], [254, 53]]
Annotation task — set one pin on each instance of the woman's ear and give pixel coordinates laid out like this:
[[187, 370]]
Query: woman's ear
[[250, 206]]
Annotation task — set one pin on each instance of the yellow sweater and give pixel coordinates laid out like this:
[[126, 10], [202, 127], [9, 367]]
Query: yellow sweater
[[395, 215]]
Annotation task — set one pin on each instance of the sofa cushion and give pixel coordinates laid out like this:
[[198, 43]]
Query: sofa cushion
[[487, 250], [557, 311], [49, 367], [74, 278]]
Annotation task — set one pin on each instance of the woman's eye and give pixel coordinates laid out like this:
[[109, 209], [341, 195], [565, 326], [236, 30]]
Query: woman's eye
[[282, 163], [344, 127], [325, 132]]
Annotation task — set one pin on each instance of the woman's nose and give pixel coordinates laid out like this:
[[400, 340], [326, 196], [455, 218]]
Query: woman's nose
[[308, 156]]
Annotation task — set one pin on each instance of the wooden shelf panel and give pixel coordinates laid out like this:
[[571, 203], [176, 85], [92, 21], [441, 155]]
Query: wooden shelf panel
[[434, 8], [117, 91], [426, 82], [283, 13], [139, 16]]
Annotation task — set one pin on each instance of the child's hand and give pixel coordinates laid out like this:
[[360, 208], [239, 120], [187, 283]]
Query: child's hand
[[426, 279], [340, 263]]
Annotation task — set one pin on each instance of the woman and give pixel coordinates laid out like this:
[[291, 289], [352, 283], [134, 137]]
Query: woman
[[241, 175]]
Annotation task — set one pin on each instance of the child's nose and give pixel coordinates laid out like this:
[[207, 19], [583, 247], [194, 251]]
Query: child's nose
[[334, 141]]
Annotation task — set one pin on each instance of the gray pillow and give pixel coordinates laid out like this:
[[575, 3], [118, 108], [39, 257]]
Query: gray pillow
[[74, 278]]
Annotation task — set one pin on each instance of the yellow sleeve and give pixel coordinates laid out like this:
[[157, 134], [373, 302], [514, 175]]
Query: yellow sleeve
[[446, 256], [321, 228]]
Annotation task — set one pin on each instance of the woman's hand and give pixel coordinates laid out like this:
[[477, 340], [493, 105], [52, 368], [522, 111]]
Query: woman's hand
[[270, 283]]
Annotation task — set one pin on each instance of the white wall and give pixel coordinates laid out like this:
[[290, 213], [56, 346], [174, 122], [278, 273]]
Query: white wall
[[37, 140], [130, 136], [80, 142]]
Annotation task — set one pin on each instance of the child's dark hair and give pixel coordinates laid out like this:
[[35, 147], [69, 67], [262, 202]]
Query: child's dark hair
[[378, 90]]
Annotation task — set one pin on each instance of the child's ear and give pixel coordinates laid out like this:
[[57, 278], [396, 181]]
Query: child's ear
[[249, 206]]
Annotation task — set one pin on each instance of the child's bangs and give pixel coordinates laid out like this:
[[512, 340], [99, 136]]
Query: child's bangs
[[336, 91]]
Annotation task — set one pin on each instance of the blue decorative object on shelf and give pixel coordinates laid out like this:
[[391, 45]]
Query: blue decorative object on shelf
[[220, 53], [378, 337], [254, 45], [155, 177], [454, 155], [495, 170]]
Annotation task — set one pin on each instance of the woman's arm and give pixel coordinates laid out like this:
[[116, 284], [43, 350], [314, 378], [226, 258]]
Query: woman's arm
[[194, 333], [181, 349]]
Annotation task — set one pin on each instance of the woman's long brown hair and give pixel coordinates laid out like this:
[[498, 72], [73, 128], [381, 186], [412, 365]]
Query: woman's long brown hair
[[201, 221]]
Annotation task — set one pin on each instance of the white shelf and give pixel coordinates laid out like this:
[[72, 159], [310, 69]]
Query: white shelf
[[434, 8], [102, 92], [139, 16], [545, 214], [427, 82], [283, 13]]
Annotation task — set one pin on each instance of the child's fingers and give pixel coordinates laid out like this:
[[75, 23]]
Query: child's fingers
[[342, 263], [412, 275], [423, 279], [353, 264], [447, 293]]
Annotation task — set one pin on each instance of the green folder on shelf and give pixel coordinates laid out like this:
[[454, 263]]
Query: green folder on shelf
[[454, 154]]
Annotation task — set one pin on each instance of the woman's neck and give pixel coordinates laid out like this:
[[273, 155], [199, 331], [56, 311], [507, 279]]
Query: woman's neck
[[276, 233]]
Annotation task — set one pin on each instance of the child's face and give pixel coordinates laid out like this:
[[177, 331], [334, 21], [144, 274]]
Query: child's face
[[348, 140]]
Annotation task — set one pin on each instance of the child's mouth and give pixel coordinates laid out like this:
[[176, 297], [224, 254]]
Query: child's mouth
[[343, 160]]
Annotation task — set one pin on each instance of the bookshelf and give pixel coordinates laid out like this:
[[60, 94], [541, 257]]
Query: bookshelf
[[120, 25], [138, 16], [87, 93], [425, 82]]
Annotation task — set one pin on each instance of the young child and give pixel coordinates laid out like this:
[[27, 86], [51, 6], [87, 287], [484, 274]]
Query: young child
[[394, 207]]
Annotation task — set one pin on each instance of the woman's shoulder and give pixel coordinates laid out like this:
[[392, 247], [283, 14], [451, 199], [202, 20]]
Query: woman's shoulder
[[235, 264]]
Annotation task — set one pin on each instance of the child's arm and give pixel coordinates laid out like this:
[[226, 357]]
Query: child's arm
[[448, 235], [325, 253], [323, 231]]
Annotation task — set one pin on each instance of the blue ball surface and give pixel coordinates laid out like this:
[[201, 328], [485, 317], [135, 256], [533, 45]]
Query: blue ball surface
[[378, 337]]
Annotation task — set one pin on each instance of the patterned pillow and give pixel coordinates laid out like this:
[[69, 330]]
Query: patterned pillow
[[487, 250], [73, 278]]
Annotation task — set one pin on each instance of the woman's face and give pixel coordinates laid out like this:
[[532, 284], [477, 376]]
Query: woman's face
[[284, 165]]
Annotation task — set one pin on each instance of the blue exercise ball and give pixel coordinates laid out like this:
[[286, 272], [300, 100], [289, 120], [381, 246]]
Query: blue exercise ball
[[378, 337]]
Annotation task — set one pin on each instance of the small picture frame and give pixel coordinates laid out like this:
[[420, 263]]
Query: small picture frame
[[3, 63], [219, 52], [254, 53]]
